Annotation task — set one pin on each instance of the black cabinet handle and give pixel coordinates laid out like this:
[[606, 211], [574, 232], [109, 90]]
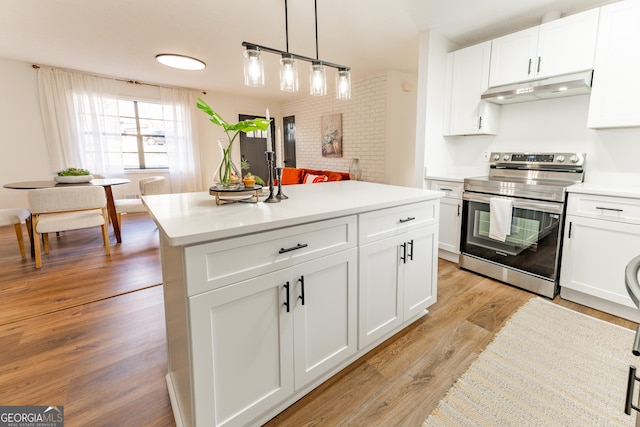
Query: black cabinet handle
[[293, 248], [403, 257], [411, 253], [602, 208], [286, 286], [529, 69], [480, 123], [407, 219], [569, 233], [458, 209], [539, 60], [301, 297]]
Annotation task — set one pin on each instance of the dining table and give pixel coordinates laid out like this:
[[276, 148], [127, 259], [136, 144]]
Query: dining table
[[107, 183]]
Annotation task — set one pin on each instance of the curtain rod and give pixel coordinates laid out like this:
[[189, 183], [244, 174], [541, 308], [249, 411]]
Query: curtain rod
[[133, 82]]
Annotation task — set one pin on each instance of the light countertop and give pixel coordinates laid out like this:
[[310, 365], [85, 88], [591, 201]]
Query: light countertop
[[190, 218]]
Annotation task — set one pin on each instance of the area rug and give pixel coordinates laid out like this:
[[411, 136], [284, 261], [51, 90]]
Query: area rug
[[548, 366]]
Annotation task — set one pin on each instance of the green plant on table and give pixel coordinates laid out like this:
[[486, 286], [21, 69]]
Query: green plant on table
[[73, 172], [232, 131]]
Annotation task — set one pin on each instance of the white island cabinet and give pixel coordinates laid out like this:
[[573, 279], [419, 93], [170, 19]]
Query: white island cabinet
[[263, 301]]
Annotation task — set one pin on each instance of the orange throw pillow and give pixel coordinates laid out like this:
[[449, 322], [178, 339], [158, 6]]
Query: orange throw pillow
[[333, 176], [291, 176]]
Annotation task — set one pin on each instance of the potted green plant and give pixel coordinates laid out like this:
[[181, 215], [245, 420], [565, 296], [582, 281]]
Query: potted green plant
[[227, 174]]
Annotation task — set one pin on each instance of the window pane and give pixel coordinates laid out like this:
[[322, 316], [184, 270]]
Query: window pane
[[148, 110], [130, 144], [156, 160], [130, 160], [128, 126], [126, 108], [154, 144]]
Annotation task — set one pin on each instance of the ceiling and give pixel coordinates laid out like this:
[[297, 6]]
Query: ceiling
[[121, 38]]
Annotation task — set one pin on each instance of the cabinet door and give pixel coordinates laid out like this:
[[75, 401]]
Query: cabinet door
[[418, 271], [512, 57], [567, 45], [449, 231], [325, 314], [380, 299], [467, 79], [616, 87], [595, 255], [242, 350]]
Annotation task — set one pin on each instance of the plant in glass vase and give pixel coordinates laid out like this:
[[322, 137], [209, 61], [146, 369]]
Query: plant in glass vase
[[227, 173]]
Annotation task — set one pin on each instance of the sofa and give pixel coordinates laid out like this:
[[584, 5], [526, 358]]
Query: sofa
[[310, 176]]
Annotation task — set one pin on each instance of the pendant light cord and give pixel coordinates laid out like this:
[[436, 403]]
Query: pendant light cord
[[286, 24], [315, 6]]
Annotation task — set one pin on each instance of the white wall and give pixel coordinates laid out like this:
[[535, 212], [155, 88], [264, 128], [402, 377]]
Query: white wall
[[378, 128], [546, 126]]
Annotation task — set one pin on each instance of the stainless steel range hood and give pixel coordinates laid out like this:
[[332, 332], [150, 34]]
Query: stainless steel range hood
[[553, 87]]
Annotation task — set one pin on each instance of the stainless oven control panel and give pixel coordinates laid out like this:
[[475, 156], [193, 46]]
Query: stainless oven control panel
[[537, 159]]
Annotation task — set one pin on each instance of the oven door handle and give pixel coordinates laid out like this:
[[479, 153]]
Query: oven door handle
[[555, 208]]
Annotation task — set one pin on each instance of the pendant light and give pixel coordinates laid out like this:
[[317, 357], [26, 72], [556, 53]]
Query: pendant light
[[343, 84], [254, 66], [180, 61], [288, 67]]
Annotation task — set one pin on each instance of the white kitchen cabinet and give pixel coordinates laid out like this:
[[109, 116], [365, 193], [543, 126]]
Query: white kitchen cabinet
[[563, 46], [602, 234], [260, 340], [467, 79], [450, 218], [616, 87], [396, 273]]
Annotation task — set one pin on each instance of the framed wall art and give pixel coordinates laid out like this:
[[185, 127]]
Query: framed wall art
[[331, 135]]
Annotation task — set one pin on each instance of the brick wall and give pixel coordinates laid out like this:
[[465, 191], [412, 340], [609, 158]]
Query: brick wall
[[363, 127]]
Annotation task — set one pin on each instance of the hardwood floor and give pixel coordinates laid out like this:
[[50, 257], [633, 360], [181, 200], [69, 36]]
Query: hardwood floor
[[105, 360]]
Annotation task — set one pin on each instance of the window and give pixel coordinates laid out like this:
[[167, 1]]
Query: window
[[142, 127]]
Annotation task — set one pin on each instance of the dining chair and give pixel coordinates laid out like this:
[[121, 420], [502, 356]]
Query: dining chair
[[148, 185], [63, 209], [15, 217]]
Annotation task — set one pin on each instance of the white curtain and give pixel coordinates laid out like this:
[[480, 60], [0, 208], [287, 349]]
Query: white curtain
[[185, 171], [81, 121]]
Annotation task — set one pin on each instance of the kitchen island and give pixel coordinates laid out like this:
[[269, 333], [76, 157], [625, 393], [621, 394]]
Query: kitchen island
[[264, 302]]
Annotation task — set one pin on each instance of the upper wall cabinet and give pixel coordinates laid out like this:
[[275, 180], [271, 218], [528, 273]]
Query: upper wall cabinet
[[467, 79], [554, 48], [616, 86]]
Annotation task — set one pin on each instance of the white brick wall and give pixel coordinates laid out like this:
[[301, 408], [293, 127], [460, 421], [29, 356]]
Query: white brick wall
[[363, 128]]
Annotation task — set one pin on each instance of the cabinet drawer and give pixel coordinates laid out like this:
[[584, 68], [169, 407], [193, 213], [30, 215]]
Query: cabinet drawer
[[216, 264], [604, 207], [389, 222], [451, 190]]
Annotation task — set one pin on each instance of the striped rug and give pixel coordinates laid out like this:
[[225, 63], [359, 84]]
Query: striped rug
[[548, 366]]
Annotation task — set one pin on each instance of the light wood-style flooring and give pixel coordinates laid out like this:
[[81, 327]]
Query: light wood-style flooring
[[88, 333]]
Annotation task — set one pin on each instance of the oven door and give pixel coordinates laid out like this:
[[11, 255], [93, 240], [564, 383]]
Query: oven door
[[533, 246]]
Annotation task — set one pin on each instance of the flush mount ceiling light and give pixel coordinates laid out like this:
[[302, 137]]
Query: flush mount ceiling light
[[180, 61], [254, 67]]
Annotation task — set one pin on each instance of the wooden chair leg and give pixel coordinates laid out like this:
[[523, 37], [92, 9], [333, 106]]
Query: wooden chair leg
[[119, 215], [105, 232], [18, 228], [45, 240], [36, 242]]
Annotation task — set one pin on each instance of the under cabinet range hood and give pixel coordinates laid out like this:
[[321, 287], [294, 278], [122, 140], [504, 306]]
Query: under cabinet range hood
[[552, 87]]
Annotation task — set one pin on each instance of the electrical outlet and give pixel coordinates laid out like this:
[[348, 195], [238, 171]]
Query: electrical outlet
[[485, 156]]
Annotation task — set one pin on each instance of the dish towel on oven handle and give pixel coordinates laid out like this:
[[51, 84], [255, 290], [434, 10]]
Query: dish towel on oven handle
[[500, 212]]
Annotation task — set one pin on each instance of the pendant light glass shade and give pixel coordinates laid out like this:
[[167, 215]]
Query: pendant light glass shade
[[288, 74], [253, 68], [343, 84], [318, 80]]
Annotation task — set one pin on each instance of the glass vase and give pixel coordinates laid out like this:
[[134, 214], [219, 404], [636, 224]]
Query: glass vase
[[227, 174], [355, 172]]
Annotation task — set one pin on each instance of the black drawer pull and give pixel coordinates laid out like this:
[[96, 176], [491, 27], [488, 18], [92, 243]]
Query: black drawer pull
[[609, 209], [403, 257], [294, 248], [411, 253], [410, 218]]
